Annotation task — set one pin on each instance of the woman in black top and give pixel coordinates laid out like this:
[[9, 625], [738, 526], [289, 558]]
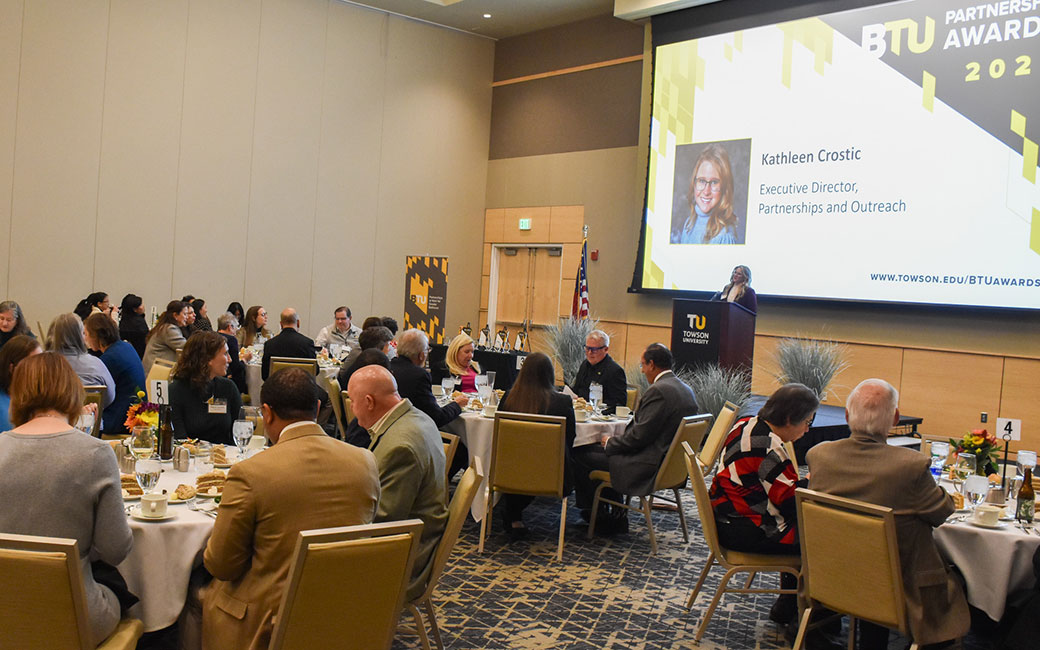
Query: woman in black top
[[133, 328], [205, 402], [202, 322], [534, 392]]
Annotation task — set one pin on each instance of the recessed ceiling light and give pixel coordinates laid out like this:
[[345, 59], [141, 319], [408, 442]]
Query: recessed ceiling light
[[487, 15]]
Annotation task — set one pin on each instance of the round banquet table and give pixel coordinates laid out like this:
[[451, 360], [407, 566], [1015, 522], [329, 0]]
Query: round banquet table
[[477, 432], [254, 381], [997, 564], [163, 555]]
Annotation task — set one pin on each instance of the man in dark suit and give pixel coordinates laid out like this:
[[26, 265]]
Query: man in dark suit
[[634, 456], [413, 380], [600, 368], [288, 343]]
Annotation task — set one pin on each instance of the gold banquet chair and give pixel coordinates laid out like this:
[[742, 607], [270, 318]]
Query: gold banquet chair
[[850, 562], [346, 587], [671, 475], [348, 407], [42, 600], [310, 365], [709, 454], [733, 561], [451, 445], [527, 457], [631, 397], [160, 370], [336, 397], [458, 510], [95, 394]]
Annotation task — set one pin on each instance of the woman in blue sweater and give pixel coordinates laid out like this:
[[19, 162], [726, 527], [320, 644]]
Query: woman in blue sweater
[[124, 365]]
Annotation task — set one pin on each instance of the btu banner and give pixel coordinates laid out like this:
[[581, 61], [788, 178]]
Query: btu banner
[[426, 287]]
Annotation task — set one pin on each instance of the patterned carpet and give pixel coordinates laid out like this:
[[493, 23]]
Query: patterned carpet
[[609, 593]]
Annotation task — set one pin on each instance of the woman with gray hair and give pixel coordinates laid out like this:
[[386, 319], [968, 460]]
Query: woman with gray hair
[[65, 336], [12, 322]]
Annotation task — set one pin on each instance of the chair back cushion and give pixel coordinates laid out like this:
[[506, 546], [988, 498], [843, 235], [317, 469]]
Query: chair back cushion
[[346, 593], [159, 371], [709, 455], [673, 471], [348, 408], [528, 454], [38, 606], [851, 559], [310, 365]]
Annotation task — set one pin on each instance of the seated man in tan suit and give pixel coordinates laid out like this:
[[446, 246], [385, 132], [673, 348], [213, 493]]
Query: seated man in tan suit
[[306, 480], [410, 457], [866, 468]]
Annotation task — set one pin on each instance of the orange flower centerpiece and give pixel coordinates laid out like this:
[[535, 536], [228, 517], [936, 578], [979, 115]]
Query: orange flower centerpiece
[[142, 413], [984, 445]]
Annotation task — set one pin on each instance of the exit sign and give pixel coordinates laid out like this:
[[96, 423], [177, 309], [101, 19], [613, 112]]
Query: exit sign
[[525, 224]]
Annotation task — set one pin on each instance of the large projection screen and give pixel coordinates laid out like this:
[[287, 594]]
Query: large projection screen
[[881, 154]]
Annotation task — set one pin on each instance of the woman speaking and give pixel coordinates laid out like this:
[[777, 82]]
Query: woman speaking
[[739, 290]]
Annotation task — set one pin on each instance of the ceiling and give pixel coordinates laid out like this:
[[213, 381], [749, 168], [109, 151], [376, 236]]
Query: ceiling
[[508, 17]]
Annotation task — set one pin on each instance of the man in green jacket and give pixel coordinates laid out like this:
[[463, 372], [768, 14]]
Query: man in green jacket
[[410, 458]]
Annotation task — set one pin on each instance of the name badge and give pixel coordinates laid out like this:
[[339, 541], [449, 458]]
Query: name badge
[[218, 406]]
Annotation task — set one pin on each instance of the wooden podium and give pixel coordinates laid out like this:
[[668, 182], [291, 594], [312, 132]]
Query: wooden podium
[[712, 331]]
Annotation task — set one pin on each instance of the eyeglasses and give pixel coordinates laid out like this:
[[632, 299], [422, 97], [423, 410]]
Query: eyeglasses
[[812, 418], [701, 183], [589, 348]]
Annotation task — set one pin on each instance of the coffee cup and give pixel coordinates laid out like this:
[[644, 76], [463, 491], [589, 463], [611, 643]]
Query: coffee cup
[[622, 411], [153, 505], [580, 415], [987, 515], [489, 410]]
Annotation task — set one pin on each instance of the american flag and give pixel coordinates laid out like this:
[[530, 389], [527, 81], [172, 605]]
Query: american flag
[[580, 304]]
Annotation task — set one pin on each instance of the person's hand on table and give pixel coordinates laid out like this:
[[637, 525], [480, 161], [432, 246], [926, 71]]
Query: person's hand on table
[[603, 440], [246, 355], [461, 400], [89, 409]]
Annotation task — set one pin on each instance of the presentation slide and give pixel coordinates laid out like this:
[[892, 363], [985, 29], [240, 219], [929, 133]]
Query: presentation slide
[[883, 154]]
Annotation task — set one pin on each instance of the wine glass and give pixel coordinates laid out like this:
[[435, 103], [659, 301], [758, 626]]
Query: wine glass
[[142, 442], [147, 473], [975, 488], [965, 466], [595, 395], [242, 431]]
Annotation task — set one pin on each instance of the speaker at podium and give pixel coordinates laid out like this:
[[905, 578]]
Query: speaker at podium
[[712, 331]]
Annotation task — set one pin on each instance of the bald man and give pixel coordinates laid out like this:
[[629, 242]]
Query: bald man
[[288, 343], [410, 458]]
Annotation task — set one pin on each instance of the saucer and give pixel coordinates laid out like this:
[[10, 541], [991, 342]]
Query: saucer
[[998, 525], [132, 497], [136, 514]]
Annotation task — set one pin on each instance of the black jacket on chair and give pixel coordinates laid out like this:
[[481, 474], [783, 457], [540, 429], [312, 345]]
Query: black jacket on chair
[[414, 383], [288, 343]]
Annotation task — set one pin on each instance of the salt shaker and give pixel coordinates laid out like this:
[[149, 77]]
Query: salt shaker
[[181, 459]]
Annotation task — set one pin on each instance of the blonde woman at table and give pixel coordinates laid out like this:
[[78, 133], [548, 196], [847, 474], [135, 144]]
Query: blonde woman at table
[[534, 392], [205, 402], [460, 362], [166, 337], [254, 327], [56, 481]]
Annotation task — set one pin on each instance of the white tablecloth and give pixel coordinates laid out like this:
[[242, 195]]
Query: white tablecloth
[[997, 564], [163, 555], [477, 432], [254, 382]]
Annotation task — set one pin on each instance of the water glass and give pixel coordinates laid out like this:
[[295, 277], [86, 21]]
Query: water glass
[[940, 452], [85, 423], [480, 380], [965, 466], [147, 473], [491, 378], [974, 489], [448, 385], [142, 442], [242, 431], [1025, 459], [595, 395]]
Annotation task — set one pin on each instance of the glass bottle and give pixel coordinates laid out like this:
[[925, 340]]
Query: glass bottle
[[1026, 499], [165, 432]]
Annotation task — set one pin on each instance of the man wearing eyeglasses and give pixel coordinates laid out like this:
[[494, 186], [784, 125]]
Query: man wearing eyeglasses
[[600, 368]]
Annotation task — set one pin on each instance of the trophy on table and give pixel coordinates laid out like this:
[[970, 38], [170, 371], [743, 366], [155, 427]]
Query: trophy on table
[[466, 329], [501, 340], [485, 337], [520, 344]]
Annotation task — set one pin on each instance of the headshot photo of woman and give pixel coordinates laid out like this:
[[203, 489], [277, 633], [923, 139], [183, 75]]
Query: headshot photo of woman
[[710, 193]]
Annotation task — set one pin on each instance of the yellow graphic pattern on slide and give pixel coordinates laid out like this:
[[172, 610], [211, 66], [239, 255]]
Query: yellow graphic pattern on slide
[[653, 275], [816, 35], [1029, 161]]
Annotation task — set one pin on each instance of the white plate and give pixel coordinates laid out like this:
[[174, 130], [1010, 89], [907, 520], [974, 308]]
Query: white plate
[[998, 525], [207, 495], [223, 465], [173, 501], [132, 497], [136, 514]]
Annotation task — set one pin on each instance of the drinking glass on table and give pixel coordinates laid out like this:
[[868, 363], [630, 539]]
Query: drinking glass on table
[[1025, 459], [595, 395], [242, 431], [142, 442], [480, 380], [491, 378], [974, 489], [448, 385], [964, 467], [940, 452], [147, 473]]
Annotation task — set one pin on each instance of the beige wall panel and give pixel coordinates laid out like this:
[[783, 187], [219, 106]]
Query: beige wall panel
[[949, 390], [216, 153], [640, 336], [545, 287], [482, 317], [566, 223], [566, 296], [618, 333], [348, 176], [865, 362], [511, 293], [485, 268], [1018, 400], [571, 259], [485, 284], [539, 232], [433, 168], [54, 205], [286, 136], [140, 145], [10, 54], [494, 225], [763, 373]]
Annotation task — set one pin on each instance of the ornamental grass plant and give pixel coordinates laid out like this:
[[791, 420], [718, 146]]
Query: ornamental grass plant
[[714, 385], [812, 362]]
